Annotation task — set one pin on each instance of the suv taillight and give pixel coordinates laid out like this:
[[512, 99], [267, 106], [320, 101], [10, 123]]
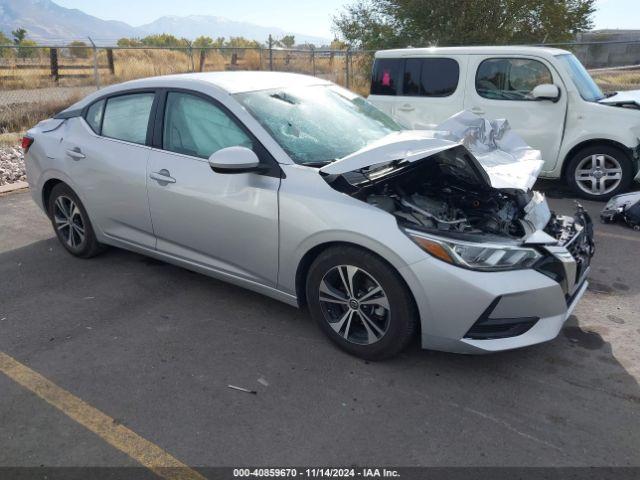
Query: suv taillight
[[26, 143]]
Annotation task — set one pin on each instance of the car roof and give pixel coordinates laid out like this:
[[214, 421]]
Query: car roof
[[231, 82], [476, 50]]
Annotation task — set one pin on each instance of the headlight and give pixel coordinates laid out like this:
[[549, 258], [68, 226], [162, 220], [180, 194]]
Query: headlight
[[476, 256]]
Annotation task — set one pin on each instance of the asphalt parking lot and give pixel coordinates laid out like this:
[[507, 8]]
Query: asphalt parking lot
[[154, 347]]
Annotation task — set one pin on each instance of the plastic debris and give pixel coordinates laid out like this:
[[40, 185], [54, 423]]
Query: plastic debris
[[242, 389]]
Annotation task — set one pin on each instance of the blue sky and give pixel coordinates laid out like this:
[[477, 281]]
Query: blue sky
[[312, 17]]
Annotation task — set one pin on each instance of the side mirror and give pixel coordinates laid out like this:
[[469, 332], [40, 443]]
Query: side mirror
[[546, 91], [234, 160]]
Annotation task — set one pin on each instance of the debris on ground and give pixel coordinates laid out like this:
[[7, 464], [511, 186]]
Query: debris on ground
[[625, 207], [242, 389], [263, 381], [11, 165]]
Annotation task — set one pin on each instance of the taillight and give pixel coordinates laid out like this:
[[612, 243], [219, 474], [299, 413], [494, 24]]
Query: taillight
[[26, 143]]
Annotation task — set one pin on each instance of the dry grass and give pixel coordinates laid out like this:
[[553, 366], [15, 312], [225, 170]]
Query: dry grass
[[19, 117], [10, 139], [613, 80]]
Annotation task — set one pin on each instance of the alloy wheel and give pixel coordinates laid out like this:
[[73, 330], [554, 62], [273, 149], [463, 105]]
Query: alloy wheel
[[69, 222], [354, 304], [598, 174]]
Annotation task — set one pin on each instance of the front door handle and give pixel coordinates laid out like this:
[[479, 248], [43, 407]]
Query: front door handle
[[76, 153], [162, 177], [477, 111]]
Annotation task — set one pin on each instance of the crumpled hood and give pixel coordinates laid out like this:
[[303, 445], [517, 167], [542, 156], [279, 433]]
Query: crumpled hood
[[630, 97], [508, 161]]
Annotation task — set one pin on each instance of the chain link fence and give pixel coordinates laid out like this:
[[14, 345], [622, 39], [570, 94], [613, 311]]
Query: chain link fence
[[38, 81]]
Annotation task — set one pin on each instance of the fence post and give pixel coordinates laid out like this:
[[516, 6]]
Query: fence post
[[193, 67], [112, 67], [346, 66], [313, 60], [260, 52], [53, 59], [203, 54], [95, 64], [270, 52]]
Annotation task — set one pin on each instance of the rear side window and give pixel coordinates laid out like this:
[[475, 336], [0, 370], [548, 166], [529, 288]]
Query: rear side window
[[386, 77], [194, 126], [94, 116], [415, 77], [430, 77], [126, 117], [510, 78]]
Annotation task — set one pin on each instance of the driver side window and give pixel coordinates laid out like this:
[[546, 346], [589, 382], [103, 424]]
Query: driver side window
[[194, 126], [510, 78]]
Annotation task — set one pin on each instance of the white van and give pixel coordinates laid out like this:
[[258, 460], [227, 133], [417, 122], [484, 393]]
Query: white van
[[589, 138]]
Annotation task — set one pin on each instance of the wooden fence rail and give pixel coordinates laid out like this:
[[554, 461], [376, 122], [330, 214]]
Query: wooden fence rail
[[55, 67]]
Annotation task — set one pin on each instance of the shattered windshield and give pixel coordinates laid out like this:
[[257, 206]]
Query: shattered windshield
[[587, 88], [317, 124]]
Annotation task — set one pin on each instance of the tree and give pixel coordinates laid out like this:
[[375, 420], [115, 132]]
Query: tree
[[400, 23], [288, 41], [129, 42], [79, 49], [241, 42], [5, 52], [19, 35]]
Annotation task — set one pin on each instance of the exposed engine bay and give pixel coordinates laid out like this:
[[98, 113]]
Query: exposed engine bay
[[451, 208], [448, 193]]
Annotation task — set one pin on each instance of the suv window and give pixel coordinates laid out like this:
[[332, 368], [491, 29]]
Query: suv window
[[94, 115], [430, 77], [195, 126], [386, 76], [126, 117], [510, 78], [415, 77]]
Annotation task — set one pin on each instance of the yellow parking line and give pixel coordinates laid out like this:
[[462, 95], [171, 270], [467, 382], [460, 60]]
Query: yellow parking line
[[615, 235], [141, 450]]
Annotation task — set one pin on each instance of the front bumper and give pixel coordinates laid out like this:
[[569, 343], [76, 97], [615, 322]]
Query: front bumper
[[467, 311]]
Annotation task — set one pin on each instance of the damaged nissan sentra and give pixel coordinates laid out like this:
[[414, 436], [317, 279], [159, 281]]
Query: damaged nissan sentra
[[298, 189]]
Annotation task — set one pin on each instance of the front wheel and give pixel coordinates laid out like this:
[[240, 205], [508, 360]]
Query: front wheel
[[361, 303], [599, 172]]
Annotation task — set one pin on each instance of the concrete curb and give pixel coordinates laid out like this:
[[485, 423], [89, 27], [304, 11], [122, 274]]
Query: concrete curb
[[12, 187]]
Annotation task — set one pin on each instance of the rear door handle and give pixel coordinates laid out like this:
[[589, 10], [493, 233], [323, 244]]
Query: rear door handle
[[76, 153], [477, 111], [407, 107], [162, 177]]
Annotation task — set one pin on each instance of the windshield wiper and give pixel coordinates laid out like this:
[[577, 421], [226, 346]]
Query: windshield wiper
[[319, 164]]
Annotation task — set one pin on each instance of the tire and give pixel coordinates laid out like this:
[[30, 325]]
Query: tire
[[76, 236], [594, 162], [368, 330]]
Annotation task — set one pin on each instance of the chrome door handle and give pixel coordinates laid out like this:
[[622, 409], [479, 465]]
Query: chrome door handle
[[76, 153], [477, 111], [162, 176], [406, 108]]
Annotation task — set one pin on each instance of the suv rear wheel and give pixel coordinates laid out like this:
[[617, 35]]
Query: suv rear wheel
[[599, 172]]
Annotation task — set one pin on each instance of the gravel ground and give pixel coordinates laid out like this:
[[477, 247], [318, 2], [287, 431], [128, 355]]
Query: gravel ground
[[11, 165]]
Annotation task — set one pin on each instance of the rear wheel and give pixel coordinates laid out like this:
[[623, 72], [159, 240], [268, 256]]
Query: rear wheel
[[71, 223], [361, 303], [599, 172]]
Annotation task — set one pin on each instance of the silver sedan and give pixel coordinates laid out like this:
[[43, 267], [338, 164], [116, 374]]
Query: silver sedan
[[293, 187]]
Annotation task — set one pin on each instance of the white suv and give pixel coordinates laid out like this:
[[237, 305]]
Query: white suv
[[589, 138]]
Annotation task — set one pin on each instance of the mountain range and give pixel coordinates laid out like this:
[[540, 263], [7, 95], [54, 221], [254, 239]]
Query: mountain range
[[48, 22]]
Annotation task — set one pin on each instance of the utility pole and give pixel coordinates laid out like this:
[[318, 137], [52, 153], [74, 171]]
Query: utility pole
[[270, 52]]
